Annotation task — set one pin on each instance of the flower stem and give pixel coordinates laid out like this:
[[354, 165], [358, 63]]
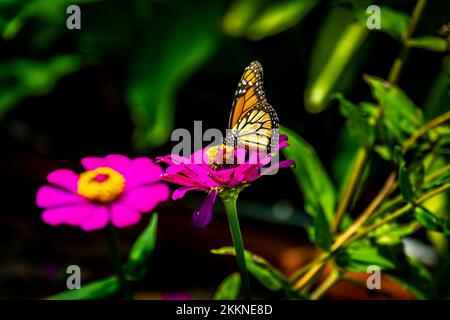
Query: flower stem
[[326, 285], [357, 170], [117, 264], [230, 208]]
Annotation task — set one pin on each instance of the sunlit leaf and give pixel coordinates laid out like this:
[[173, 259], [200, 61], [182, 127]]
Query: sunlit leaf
[[239, 16], [279, 16], [313, 180], [229, 288], [334, 56], [392, 233], [430, 43], [430, 221], [100, 289], [360, 254]]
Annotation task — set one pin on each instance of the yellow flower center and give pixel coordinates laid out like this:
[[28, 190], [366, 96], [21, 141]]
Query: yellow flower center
[[218, 155], [102, 184]]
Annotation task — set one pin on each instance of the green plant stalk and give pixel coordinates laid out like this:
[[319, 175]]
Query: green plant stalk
[[392, 78], [430, 125], [350, 41], [350, 187], [326, 285], [398, 64], [384, 192], [399, 212], [316, 266], [230, 209], [117, 263]]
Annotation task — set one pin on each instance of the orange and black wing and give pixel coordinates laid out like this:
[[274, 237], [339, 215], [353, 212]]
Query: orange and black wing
[[253, 122], [249, 93]]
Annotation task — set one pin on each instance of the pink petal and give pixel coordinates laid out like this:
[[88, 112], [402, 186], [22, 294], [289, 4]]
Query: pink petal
[[123, 216], [48, 196], [144, 199], [71, 215], [203, 216], [97, 219], [64, 178], [142, 171], [274, 168], [179, 193], [118, 162], [91, 163]]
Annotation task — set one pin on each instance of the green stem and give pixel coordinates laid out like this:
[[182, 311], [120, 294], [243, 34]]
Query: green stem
[[117, 264], [230, 208], [400, 212], [326, 285], [430, 125], [350, 187], [398, 64]]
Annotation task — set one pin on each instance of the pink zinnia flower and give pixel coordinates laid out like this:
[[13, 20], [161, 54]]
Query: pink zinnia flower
[[202, 172], [114, 189]]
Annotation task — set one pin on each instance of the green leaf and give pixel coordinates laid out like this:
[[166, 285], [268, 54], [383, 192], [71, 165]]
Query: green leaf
[[173, 46], [357, 122], [53, 12], [313, 180], [239, 16], [21, 78], [263, 271], [142, 251], [393, 22], [335, 61], [322, 234], [229, 288], [405, 183], [415, 277], [429, 43], [361, 254], [392, 233], [279, 16], [95, 290], [438, 99], [400, 116], [430, 221]]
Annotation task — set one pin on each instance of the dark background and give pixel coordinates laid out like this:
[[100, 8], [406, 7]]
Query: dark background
[[86, 113]]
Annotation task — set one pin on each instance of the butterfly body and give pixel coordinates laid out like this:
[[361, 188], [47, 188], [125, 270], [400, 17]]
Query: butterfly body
[[253, 122]]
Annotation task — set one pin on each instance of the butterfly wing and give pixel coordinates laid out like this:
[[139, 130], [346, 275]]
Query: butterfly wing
[[258, 128], [253, 121], [249, 93]]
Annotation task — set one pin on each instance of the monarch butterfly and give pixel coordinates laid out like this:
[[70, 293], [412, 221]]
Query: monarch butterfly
[[253, 122]]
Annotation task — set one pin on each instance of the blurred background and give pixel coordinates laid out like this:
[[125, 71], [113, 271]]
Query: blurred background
[[138, 69]]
